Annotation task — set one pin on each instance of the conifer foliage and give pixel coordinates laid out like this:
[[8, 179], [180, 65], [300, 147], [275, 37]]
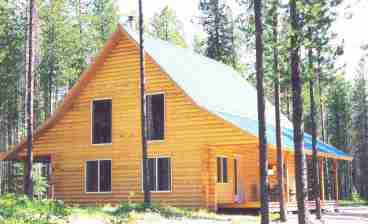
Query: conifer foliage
[[218, 24]]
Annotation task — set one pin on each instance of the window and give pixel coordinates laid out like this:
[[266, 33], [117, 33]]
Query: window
[[98, 176], [101, 122], [159, 171], [221, 170], [155, 116]]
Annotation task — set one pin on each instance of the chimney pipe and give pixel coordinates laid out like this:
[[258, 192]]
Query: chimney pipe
[[130, 22]]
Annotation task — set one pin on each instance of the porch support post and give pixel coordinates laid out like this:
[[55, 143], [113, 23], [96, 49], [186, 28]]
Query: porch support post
[[336, 180], [211, 194], [351, 182], [51, 193], [322, 179], [286, 180]]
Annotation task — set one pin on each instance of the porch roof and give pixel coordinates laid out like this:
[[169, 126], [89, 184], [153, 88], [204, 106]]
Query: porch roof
[[251, 126]]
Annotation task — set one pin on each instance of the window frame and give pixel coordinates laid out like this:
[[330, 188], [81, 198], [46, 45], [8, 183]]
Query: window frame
[[222, 170], [164, 120], [98, 176], [91, 119], [156, 180]]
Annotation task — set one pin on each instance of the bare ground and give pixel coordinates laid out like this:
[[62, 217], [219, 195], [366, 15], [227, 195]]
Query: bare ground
[[344, 215]]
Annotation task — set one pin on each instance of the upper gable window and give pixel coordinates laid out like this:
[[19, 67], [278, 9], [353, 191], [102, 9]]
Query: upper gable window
[[101, 122], [155, 116]]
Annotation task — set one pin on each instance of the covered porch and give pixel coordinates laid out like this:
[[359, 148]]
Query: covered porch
[[241, 191], [12, 173]]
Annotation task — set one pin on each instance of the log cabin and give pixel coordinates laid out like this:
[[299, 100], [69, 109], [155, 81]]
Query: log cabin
[[202, 132]]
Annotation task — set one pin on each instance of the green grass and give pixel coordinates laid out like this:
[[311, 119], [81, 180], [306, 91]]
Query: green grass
[[131, 212], [16, 209], [355, 201]]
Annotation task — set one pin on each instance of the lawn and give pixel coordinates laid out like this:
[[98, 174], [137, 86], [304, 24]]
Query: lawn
[[20, 210]]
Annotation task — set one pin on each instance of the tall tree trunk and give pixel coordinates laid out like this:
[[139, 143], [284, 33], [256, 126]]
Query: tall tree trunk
[[280, 156], [261, 113], [320, 92], [315, 166], [30, 82], [146, 180], [296, 81]]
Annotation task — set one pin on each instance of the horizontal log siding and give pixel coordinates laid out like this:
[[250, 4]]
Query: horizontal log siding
[[189, 129]]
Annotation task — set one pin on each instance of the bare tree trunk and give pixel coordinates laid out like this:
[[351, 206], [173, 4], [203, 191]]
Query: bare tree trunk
[[296, 81], [146, 177], [280, 156], [30, 82], [315, 166], [320, 92], [261, 113]]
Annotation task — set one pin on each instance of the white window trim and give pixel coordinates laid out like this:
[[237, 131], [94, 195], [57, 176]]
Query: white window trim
[[91, 119], [222, 170], [145, 100], [156, 161], [98, 176]]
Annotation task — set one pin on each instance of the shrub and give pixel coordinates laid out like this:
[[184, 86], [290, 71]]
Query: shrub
[[20, 209], [125, 209]]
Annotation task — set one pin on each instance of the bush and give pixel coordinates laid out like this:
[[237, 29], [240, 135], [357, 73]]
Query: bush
[[20, 209], [126, 208]]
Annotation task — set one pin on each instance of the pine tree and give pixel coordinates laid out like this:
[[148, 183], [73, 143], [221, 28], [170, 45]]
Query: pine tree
[[315, 164], [263, 162], [219, 27], [300, 171], [30, 60], [166, 26], [54, 42], [339, 127], [104, 17], [280, 155], [146, 177], [360, 130], [12, 79]]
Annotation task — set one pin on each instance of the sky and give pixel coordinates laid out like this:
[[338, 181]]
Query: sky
[[351, 25]]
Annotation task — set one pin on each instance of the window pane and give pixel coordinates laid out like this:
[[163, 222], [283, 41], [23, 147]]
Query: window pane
[[92, 176], [219, 175], [164, 174], [224, 170], [149, 123], [156, 113], [101, 122], [105, 176], [152, 174]]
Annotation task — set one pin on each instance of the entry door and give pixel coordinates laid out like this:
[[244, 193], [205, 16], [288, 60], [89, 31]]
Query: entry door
[[238, 195]]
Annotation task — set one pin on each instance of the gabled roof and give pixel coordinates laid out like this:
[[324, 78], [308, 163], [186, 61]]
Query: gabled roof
[[211, 85], [221, 90]]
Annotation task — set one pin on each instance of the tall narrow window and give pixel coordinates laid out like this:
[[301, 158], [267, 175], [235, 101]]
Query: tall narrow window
[[101, 122], [155, 116], [222, 170], [98, 176], [160, 174]]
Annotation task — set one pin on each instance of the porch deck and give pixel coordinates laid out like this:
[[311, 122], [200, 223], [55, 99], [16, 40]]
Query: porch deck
[[274, 206]]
